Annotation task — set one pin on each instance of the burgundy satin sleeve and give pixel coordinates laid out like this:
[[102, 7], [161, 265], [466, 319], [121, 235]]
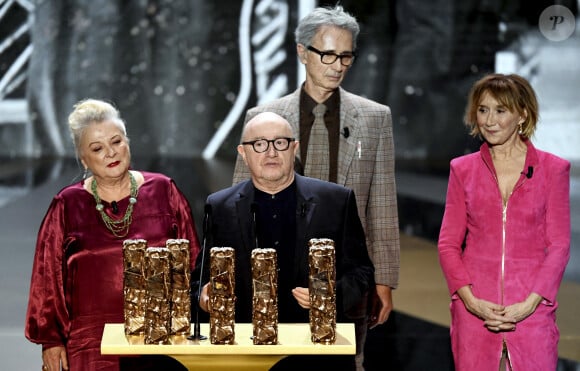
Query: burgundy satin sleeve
[[185, 222], [47, 320]]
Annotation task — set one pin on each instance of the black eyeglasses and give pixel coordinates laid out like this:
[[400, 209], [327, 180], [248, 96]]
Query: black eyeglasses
[[330, 57], [262, 145]]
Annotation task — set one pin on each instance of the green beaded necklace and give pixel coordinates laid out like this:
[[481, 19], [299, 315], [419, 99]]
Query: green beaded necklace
[[120, 228]]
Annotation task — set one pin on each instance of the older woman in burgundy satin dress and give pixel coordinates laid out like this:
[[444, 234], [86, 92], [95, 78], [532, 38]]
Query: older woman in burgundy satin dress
[[77, 277], [505, 238]]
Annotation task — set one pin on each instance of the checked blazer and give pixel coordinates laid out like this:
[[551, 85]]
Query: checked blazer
[[366, 165]]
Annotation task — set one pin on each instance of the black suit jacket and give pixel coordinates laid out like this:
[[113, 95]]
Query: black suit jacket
[[323, 210]]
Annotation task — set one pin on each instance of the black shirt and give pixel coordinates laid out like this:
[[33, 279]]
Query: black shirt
[[276, 228]]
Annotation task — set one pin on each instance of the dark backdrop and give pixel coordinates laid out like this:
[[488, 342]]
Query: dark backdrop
[[179, 70]]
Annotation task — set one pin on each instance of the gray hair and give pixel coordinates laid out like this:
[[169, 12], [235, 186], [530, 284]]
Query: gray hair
[[325, 16], [89, 111]]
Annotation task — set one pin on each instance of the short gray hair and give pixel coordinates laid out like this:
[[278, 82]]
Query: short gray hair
[[89, 111], [325, 16]]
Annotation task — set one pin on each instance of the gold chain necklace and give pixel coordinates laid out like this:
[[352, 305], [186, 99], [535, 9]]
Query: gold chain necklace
[[119, 228]]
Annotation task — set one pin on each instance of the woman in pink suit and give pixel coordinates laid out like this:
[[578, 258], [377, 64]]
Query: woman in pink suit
[[505, 238]]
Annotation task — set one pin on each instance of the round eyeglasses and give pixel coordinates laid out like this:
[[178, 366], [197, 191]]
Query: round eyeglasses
[[262, 145], [329, 57]]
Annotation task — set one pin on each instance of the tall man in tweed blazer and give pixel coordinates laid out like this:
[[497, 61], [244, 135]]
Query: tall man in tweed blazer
[[363, 148]]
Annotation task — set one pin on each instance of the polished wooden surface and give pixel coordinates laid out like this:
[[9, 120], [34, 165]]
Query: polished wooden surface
[[293, 339]]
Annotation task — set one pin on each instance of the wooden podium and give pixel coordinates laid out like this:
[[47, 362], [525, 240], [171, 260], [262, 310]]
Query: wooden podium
[[293, 339]]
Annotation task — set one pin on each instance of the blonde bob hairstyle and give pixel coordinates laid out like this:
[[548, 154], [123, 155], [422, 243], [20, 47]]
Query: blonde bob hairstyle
[[512, 91]]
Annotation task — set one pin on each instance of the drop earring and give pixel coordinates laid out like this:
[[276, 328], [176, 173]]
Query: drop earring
[[520, 129], [85, 173]]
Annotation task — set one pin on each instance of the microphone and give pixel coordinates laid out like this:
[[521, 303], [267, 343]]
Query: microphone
[[530, 172], [345, 132], [303, 210], [115, 207], [254, 211], [206, 220], [206, 228]]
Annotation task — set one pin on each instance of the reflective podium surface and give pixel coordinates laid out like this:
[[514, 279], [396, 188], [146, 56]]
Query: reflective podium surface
[[293, 339]]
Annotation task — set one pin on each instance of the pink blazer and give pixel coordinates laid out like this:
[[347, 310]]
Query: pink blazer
[[505, 264]]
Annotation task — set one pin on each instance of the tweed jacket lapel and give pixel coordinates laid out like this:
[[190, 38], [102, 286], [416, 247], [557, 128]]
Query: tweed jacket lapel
[[349, 117], [292, 114]]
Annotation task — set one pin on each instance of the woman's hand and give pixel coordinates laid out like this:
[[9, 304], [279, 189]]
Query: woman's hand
[[493, 315], [53, 358], [501, 324], [302, 296], [515, 313], [522, 310]]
